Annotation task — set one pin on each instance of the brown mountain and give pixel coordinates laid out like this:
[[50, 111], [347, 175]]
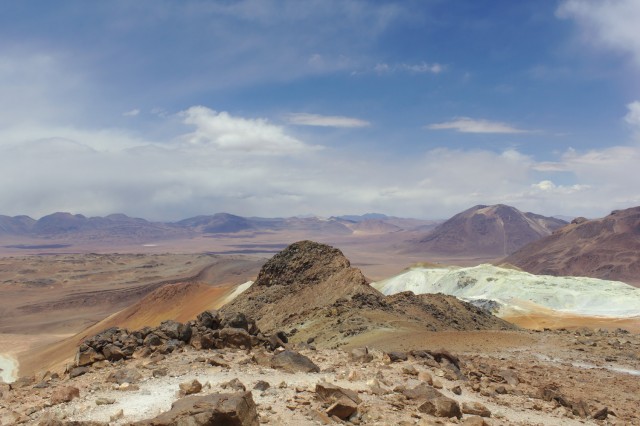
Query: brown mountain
[[607, 248], [312, 288], [486, 231]]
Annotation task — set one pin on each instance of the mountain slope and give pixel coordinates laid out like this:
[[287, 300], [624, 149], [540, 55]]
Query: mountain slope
[[607, 248], [486, 231], [312, 289]]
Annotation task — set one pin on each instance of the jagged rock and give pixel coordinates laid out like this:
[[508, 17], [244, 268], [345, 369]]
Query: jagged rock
[[328, 392], [473, 421], [87, 357], [209, 319], [112, 353], [343, 408], [217, 361], [361, 355], [234, 384], [176, 330], [293, 362], [552, 393], [64, 394], [261, 385], [236, 337], [476, 409], [581, 409], [395, 356], [152, 340], [126, 375], [235, 409], [203, 341], [601, 414], [441, 406], [78, 371], [236, 320], [189, 388], [422, 391], [509, 376]]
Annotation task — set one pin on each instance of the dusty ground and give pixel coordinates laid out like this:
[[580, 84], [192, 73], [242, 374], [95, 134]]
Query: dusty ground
[[533, 361]]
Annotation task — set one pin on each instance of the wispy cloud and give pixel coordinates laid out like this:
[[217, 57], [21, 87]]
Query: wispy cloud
[[471, 125], [417, 68], [131, 113], [304, 119], [607, 24], [633, 116]]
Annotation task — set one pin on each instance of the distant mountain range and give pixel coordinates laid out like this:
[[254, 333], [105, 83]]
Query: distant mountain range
[[120, 225], [496, 230]]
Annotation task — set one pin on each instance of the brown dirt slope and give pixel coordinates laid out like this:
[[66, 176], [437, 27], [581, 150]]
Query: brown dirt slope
[[607, 248], [180, 302], [311, 291], [486, 231]]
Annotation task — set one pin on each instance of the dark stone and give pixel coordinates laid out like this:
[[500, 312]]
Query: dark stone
[[293, 362], [230, 409]]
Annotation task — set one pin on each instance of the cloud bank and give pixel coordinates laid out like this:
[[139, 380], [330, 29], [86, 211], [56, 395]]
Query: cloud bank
[[251, 166]]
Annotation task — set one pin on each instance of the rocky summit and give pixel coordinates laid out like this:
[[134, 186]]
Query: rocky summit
[[311, 291]]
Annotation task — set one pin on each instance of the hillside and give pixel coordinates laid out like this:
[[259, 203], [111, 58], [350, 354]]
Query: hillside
[[312, 287], [607, 248], [485, 231]]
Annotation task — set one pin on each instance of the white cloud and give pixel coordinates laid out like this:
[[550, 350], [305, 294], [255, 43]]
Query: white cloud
[[304, 119], [633, 116], [131, 113], [610, 24], [418, 68], [226, 132], [218, 163], [471, 125]]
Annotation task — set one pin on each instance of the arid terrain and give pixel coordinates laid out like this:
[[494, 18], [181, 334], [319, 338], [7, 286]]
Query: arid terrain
[[312, 300]]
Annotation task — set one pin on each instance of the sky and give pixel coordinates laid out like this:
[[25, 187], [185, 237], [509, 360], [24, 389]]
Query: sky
[[171, 109]]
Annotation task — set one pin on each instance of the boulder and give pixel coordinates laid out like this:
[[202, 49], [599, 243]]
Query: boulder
[[176, 330], [229, 409], [152, 340], [236, 320], [126, 375], [328, 392], [422, 391], [64, 394], [112, 352], [342, 408], [361, 355], [476, 409], [441, 407], [189, 388], [87, 357], [395, 356], [293, 362], [209, 319], [235, 337]]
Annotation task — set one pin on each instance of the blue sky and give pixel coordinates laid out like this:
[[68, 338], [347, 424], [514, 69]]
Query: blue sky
[[169, 109]]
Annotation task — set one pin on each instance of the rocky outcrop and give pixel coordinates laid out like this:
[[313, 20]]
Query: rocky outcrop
[[209, 331]]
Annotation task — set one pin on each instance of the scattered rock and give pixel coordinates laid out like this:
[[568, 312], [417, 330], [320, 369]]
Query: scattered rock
[[261, 385], [395, 356], [105, 401], [64, 394], [441, 406], [229, 409], [189, 388], [476, 409], [601, 414], [328, 392], [342, 408], [125, 375], [234, 384], [293, 362], [78, 371], [361, 355]]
